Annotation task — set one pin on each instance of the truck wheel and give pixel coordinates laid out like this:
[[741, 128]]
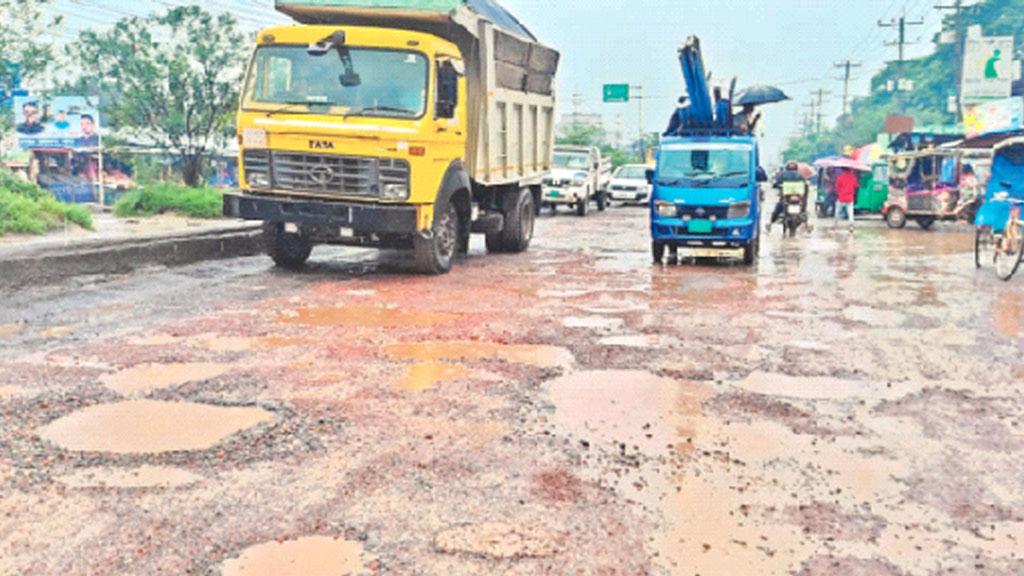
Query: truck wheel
[[583, 206], [434, 255], [750, 252], [289, 251], [517, 233], [602, 201], [896, 218], [658, 251]]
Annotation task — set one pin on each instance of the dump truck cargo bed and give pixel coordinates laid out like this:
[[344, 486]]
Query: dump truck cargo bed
[[510, 75]]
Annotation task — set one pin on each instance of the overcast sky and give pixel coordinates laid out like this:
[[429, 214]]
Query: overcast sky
[[790, 43]]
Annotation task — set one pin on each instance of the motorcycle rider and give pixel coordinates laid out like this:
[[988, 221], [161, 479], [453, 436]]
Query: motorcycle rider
[[790, 174]]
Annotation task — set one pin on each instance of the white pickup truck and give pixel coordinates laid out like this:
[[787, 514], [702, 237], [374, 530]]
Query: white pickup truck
[[578, 177]]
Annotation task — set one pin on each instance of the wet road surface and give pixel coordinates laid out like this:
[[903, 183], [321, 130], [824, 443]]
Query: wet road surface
[[851, 406]]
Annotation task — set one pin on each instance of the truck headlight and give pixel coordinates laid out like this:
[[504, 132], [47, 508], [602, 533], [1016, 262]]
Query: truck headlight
[[395, 192], [258, 179], [666, 209], [738, 210], [394, 179]]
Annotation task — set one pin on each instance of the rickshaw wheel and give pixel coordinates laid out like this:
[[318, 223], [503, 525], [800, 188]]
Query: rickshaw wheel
[[896, 218], [983, 246], [1008, 258]]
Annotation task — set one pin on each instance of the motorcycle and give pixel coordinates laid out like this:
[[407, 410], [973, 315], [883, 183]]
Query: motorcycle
[[795, 214]]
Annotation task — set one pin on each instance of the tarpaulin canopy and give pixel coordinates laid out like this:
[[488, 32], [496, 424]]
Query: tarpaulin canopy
[[847, 163]]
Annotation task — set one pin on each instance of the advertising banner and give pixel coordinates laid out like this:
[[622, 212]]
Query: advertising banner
[[988, 68], [995, 116], [58, 122]]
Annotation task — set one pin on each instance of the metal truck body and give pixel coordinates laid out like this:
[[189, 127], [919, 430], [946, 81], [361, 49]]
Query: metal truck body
[[396, 124]]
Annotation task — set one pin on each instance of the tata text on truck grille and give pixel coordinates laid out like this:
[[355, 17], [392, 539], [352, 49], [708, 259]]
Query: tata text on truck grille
[[706, 199], [399, 124]]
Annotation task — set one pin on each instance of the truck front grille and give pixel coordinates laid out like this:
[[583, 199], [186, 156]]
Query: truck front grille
[[704, 212], [328, 174]]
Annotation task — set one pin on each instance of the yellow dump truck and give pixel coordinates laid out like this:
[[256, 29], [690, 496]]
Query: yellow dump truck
[[404, 124]]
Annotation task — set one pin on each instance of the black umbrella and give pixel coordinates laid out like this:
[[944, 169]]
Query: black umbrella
[[760, 94]]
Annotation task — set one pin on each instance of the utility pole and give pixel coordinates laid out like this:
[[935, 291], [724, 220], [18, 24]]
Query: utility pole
[[847, 68], [809, 117], [900, 24], [819, 106], [958, 9], [640, 99], [577, 106]]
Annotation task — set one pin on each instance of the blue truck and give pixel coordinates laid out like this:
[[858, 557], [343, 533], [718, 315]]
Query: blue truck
[[706, 200]]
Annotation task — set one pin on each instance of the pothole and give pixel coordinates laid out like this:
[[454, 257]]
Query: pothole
[[141, 477], [150, 426], [874, 316], [147, 377], [630, 407], [500, 541], [807, 388], [11, 330], [368, 317], [530, 355], [632, 341], [425, 375], [592, 322], [310, 556]]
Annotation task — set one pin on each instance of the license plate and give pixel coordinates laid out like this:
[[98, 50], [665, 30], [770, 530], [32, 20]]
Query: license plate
[[793, 209], [710, 252], [701, 226], [554, 194]]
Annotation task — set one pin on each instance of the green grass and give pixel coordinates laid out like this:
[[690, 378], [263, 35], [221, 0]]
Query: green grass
[[27, 209], [163, 198]]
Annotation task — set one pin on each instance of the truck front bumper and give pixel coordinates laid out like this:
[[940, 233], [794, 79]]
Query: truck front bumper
[[563, 195], [360, 218], [725, 234]]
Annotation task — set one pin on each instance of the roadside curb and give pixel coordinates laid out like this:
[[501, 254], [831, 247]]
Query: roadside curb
[[53, 264]]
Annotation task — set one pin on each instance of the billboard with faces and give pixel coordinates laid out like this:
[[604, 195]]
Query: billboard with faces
[[57, 122]]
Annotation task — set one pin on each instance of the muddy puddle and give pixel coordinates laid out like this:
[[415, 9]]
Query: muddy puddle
[[141, 477], [540, 356], [149, 426], [874, 316], [810, 388], [500, 541], [426, 375], [592, 322], [629, 407], [311, 556], [368, 317], [632, 341], [11, 330], [58, 331], [149, 377]]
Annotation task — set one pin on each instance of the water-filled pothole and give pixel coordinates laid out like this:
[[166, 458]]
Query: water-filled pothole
[[150, 426], [147, 377], [311, 556], [425, 375], [530, 355]]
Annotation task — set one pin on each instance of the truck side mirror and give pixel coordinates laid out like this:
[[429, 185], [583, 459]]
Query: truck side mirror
[[762, 176], [649, 174], [447, 90]]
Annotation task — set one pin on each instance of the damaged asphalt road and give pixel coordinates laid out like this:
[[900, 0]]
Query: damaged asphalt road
[[850, 407]]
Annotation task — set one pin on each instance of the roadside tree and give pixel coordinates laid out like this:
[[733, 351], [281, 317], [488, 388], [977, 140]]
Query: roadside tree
[[172, 79]]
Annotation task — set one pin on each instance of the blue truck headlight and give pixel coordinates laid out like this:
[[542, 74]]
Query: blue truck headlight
[[665, 209], [739, 210]]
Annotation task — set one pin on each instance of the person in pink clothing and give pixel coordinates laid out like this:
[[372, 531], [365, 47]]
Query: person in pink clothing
[[846, 195]]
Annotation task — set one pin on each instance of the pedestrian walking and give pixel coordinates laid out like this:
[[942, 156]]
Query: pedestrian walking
[[846, 195]]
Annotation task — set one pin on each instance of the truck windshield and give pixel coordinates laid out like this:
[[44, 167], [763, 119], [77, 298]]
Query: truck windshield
[[572, 161], [354, 81], [719, 167]]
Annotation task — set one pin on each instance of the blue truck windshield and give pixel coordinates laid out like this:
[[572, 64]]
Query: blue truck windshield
[[718, 167]]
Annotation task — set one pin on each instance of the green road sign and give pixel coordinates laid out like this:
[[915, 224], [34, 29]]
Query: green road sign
[[616, 93]]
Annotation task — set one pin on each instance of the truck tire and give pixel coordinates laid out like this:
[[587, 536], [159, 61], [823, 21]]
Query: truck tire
[[750, 252], [602, 201], [434, 253], [520, 216], [289, 251], [583, 205], [658, 251]]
